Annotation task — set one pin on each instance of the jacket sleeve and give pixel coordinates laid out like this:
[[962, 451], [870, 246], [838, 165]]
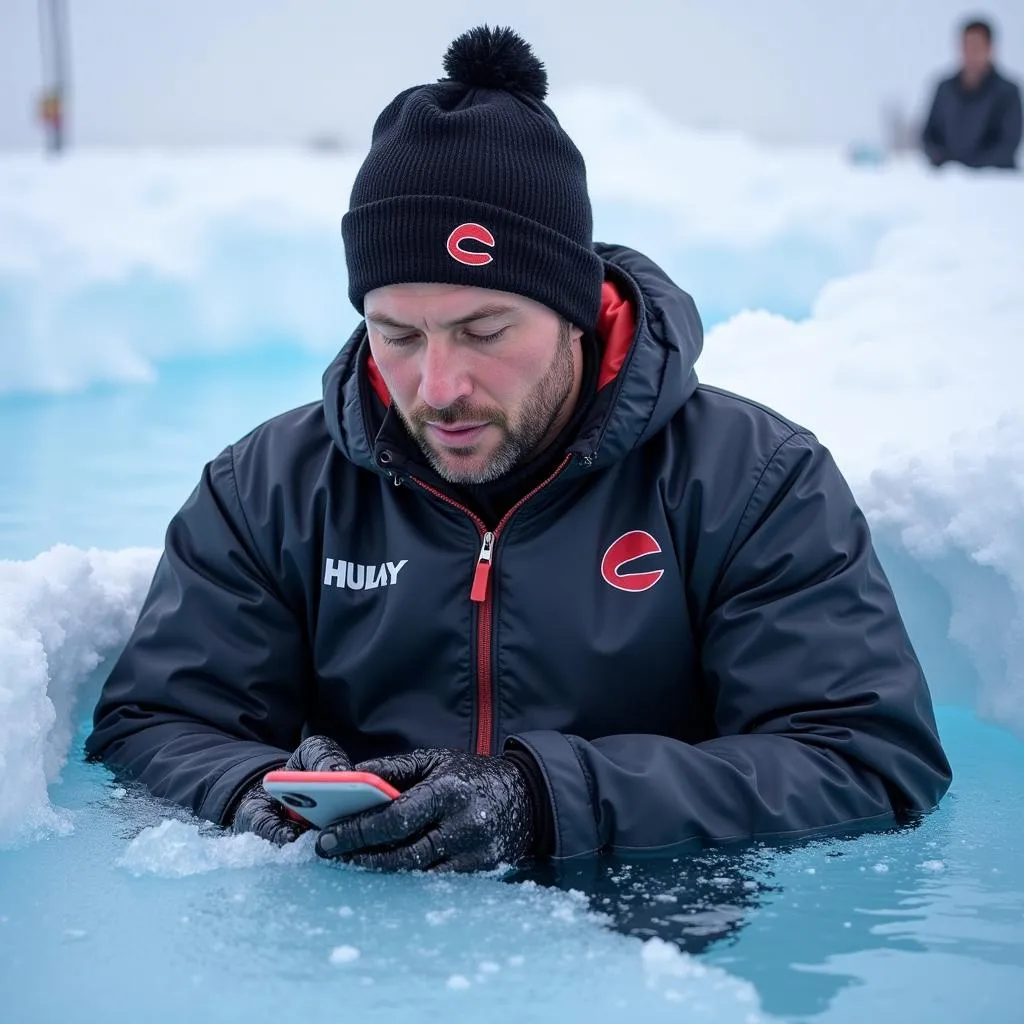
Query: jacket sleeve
[[209, 691], [1007, 132], [933, 141], [822, 715]]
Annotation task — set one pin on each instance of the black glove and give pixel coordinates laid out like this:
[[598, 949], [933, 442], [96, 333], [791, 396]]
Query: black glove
[[457, 812], [258, 812]]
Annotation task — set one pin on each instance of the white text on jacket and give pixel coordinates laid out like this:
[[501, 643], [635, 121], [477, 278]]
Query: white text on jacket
[[361, 577]]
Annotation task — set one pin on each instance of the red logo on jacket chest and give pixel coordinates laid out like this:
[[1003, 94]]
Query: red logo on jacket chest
[[470, 233], [629, 547]]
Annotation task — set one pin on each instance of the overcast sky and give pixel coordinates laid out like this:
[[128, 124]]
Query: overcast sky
[[172, 72]]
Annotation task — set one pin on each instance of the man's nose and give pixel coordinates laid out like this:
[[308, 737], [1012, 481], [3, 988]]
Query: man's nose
[[443, 377]]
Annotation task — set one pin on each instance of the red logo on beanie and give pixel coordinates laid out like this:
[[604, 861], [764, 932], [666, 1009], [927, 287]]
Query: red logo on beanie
[[470, 232]]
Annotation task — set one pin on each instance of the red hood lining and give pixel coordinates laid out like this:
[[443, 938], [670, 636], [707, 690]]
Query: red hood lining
[[616, 325]]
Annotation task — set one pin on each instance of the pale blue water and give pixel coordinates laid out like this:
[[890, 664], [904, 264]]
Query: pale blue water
[[107, 467], [927, 925]]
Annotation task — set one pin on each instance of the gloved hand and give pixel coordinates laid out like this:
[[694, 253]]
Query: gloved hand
[[258, 812], [457, 812]]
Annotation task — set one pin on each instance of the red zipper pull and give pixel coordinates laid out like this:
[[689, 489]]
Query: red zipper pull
[[483, 570]]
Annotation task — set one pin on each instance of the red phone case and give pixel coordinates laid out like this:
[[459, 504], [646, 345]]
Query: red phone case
[[366, 778]]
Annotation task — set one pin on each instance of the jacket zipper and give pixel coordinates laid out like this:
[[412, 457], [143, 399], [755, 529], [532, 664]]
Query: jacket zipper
[[481, 593]]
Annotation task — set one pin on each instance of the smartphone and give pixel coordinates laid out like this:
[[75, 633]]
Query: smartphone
[[323, 798]]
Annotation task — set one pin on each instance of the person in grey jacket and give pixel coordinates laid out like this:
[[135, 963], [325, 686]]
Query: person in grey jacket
[[517, 561], [975, 116]]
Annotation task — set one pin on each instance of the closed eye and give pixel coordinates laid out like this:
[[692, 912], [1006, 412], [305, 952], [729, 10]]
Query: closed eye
[[404, 340], [486, 338], [407, 339]]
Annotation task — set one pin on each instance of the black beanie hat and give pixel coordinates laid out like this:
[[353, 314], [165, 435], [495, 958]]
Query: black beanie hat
[[472, 181]]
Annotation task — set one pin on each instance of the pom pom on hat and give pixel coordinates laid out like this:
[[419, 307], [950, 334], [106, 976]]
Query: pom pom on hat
[[496, 59]]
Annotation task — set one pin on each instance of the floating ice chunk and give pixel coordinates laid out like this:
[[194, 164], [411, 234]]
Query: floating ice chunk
[[436, 917], [175, 849], [344, 954], [683, 978]]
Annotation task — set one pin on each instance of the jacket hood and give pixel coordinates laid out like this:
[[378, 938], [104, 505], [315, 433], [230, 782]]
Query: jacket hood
[[651, 337]]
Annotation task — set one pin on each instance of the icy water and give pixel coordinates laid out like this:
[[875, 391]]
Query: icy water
[[105, 924], [139, 913], [106, 467]]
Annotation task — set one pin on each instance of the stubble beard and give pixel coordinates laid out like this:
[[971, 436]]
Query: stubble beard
[[540, 409]]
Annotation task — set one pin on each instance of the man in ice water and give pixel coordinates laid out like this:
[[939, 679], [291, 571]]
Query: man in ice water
[[517, 561]]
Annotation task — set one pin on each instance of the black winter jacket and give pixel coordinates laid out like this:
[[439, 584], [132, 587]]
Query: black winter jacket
[[978, 127], [686, 626]]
